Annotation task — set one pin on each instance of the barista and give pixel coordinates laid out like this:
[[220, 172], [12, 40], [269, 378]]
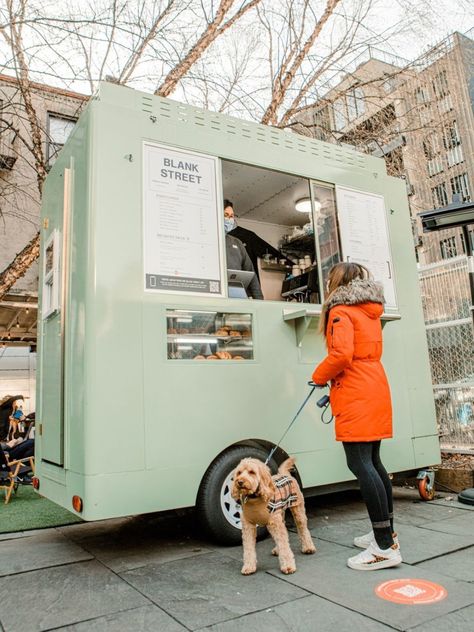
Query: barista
[[238, 259], [255, 246]]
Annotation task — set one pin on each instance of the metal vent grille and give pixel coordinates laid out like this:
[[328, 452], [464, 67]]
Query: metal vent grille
[[165, 109]]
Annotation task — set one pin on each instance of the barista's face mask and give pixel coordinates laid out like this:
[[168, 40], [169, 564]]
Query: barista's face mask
[[229, 224]]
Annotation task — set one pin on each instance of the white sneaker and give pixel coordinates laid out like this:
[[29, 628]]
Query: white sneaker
[[363, 541], [373, 558]]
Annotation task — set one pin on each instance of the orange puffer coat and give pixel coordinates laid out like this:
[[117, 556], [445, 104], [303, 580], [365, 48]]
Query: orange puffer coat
[[360, 395]]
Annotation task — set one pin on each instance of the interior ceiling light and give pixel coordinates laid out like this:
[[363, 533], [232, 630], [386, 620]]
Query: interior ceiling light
[[303, 205]]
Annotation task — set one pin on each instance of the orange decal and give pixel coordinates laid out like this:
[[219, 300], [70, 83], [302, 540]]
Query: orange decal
[[411, 591]]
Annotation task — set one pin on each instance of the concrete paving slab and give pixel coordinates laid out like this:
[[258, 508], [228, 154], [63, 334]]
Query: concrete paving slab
[[462, 523], [131, 543], [459, 565], [419, 544], [451, 501], [460, 621], [87, 529], [329, 577], [209, 589], [264, 550], [55, 597], [339, 530], [121, 554], [38, 551], [302, 615], [418, 513], [25, 534], [146, 619]]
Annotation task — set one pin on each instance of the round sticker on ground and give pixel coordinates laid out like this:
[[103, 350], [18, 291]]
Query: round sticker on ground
[[411, 591]]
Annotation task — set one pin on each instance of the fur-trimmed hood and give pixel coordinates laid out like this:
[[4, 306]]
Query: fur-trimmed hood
[[356, 292]]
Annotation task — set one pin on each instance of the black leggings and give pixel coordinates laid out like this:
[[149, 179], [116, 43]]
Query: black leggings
[[363, 460]]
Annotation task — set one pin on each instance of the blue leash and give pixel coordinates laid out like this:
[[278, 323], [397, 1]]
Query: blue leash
[[313, 385]]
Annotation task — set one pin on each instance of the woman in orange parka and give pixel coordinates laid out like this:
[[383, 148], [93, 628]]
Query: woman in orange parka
[[360, 401]]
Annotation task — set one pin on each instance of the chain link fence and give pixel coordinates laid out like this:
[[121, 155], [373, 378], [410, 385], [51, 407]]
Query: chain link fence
[[449, 329]]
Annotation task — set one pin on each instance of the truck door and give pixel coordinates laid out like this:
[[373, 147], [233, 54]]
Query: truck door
[[54, 274]]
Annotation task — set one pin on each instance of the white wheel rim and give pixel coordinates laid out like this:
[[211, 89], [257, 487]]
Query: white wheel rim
[[229, 507]]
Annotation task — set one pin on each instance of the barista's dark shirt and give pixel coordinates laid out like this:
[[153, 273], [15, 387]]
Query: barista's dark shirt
[[238, 259], [256, 246]]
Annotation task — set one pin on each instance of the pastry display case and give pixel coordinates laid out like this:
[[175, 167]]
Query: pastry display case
[[207, 335]]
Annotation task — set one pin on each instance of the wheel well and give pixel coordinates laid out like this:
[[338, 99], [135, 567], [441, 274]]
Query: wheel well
[[279, 455]]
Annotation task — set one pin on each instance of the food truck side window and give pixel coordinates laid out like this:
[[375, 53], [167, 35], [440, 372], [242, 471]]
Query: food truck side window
[[199, 335], [325, 214], [274, 215]]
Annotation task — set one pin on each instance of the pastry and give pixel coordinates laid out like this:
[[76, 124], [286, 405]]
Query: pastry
[[223, 355], [233, 333], [237, 358], [212, 357], [199, 357], [222, 332], [172, 330]]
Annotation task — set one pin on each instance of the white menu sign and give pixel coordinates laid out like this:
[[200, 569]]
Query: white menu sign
[[364, 236], [181, 222]]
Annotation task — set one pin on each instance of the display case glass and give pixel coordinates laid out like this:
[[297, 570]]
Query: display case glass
[[206, 335]]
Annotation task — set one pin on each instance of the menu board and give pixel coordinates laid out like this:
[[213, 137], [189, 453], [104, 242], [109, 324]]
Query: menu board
[[181, 222], [364, 236]]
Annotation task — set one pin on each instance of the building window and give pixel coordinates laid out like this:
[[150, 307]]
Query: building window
[[448, 248], [470, 232], [422, 95], [440, 84], [452, 144], [460, 186], [451, 136], [59, 128], [431, 150], [340, 117], [355, 103], [322, 124], [440, 195]]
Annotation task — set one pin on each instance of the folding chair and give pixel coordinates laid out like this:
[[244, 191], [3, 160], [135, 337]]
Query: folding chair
[[11, 473]]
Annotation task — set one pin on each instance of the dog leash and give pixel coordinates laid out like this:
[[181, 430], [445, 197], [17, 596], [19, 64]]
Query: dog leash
[[272, 451]]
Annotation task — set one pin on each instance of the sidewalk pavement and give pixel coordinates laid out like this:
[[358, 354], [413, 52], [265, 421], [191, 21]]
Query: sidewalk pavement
[[156, 573]]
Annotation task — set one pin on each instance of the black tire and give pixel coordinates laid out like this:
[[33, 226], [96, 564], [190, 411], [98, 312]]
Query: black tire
[[208, 505]]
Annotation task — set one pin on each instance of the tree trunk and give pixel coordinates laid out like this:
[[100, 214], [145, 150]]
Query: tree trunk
[[20, 265]]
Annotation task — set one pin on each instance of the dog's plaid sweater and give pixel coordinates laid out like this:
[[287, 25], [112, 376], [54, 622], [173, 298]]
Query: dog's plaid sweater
[[285, 495]]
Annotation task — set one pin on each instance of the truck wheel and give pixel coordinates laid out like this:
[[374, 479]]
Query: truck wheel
[[426, 489], [218, 512]]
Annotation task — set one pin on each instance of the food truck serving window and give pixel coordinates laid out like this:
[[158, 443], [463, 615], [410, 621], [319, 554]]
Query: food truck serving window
[[208, 335], [274, 215]]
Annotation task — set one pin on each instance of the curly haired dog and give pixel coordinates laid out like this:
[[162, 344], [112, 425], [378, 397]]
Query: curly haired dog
[[264, 499]]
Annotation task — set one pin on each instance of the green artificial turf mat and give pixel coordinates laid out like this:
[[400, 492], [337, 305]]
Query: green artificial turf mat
[[28, 510]]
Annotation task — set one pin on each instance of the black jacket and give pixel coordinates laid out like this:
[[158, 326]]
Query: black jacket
[[238, 259], [255, 246]]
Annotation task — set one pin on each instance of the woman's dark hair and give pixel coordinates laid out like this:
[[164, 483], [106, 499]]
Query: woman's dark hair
[[228, 203], [340, 274]]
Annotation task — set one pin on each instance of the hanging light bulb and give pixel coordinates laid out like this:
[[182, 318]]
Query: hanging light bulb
[[8, 336], [27, 310], [18, 323]]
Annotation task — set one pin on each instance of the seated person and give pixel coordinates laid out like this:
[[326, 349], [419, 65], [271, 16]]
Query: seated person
[[6, 410], [238, 259], [255, 246]]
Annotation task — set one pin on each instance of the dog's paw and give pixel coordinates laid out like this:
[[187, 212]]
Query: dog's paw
[[275, 550], [288, 570], [248, 570], [308, 550]]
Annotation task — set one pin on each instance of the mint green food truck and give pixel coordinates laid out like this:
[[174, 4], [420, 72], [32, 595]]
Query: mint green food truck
[[157, 373]]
